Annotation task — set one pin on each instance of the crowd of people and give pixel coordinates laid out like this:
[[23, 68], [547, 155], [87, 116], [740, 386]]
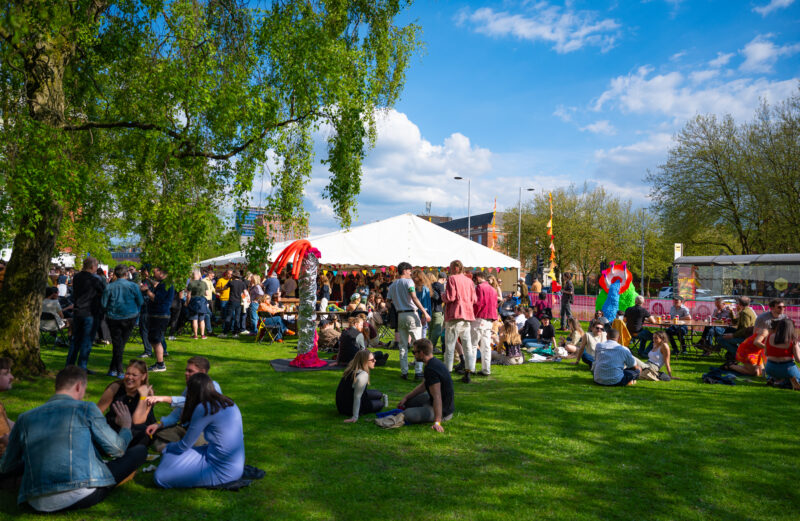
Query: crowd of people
[[201, 441]]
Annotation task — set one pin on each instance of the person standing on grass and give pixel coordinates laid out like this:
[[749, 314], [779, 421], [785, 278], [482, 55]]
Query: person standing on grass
[[197, 304], [56, 448], [567, 294], [459, 312], [87, 292], [160, 302], [208, 281], [485, 310], [437, 309], [404, 298], [433, 400], [236, 287], [223, 294], [614, 364], [169, 429], [145, 285], [122, 300]]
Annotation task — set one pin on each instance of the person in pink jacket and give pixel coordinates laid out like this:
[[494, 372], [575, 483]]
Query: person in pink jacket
[[459, 298], [485, 314]]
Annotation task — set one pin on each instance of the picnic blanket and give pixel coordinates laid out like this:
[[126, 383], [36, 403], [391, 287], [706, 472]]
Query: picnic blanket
[[282, 366]]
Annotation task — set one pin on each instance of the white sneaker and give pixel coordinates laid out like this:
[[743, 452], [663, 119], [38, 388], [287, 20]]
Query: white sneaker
[[245, 332], [171, 338], [385, 400]]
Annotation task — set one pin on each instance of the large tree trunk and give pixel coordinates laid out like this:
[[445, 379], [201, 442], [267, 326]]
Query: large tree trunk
[[23, 289]]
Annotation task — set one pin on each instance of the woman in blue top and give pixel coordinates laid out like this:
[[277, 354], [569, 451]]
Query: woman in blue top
[[422, 287], [219, 420]]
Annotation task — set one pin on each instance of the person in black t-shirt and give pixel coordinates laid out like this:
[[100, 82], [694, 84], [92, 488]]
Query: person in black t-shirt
[[87, 290], [531, 330], [233, 311], [433, 399], [635, 317]]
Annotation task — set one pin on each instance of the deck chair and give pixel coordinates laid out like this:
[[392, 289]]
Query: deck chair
[[264, 330], [49, 329]]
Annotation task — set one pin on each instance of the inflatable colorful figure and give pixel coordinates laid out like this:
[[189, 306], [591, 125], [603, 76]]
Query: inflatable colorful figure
[[305, 264], [616, 290]]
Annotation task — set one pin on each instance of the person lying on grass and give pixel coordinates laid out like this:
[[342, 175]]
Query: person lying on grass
[[218, 419], [352, 396], [614, 364], [433, 399], [169, 428], [132, 391]]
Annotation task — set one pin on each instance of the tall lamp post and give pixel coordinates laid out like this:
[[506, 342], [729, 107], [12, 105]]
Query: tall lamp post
[[519, 226], [469, 189]]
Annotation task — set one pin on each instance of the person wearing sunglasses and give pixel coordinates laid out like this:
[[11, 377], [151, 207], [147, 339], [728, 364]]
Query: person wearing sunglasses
[[586, 349], [352, 396]]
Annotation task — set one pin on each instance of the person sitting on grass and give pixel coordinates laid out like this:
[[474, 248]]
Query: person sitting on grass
[[351, 341], [783, 348], [352, 396], [433, 400], [531, 331], [750, 352], [510, 344], [57, 448], [614, 364], [132, 391], [576, 334], [328, 340], [548, 335], [275, 321], [169, 428], [218, 419], [586, 350], [659, 354]]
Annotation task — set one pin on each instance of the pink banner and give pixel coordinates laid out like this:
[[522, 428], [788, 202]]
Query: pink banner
[[583, 307]]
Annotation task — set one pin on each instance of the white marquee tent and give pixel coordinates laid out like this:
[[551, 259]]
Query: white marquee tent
[[389, 242]]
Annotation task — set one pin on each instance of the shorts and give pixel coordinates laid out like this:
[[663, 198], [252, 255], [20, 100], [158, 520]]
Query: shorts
[[748, 353]]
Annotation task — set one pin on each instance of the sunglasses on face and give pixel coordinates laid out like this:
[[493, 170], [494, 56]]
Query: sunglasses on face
[[371, 360]]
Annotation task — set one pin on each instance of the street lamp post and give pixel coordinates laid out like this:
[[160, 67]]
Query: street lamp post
[[469, 189], [519, 226]]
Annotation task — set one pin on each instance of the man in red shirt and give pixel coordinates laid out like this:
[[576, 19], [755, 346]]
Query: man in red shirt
[[459, 298], [485, 309]]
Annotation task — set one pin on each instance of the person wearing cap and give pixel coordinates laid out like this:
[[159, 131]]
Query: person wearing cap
[[355, 303], [404, 299]]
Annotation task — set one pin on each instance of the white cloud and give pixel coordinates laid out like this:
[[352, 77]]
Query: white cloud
[[565, 28], [677, 56], [600, 127], [625, 155], [721, 60], [761, 54], [702, 76], [670, 94], [564, 113], [774, 5]]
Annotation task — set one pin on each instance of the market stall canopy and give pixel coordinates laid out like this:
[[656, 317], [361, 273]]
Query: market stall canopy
[[389, 242]]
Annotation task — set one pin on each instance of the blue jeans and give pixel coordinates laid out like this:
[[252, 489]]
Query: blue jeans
[[711, 332], [207, 318], [731, 345], [530, 342], [253, 312], [232, 314], [276, 322], [83, 331], [645, 336], [782, 370], [587, 359], [143, 330]]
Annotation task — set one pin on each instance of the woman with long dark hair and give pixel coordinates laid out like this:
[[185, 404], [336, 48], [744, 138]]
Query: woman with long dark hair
[[216, 417], [783, 348]]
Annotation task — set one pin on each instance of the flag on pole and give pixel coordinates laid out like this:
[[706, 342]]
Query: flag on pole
[[552, 273], [494, 225]]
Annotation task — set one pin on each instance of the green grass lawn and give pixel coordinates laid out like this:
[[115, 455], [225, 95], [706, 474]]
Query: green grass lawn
[[537, 441]]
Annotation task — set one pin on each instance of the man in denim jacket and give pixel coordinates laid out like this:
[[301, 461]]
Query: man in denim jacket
[[55, 449]]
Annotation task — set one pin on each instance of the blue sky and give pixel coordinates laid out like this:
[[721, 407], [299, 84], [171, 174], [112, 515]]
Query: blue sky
[[544, 94]]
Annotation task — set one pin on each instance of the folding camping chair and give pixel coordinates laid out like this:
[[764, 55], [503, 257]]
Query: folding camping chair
[[268, 330], [58, 335]]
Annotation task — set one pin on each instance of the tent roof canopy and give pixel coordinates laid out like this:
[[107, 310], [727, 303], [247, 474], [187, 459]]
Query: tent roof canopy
[[389, 242]]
